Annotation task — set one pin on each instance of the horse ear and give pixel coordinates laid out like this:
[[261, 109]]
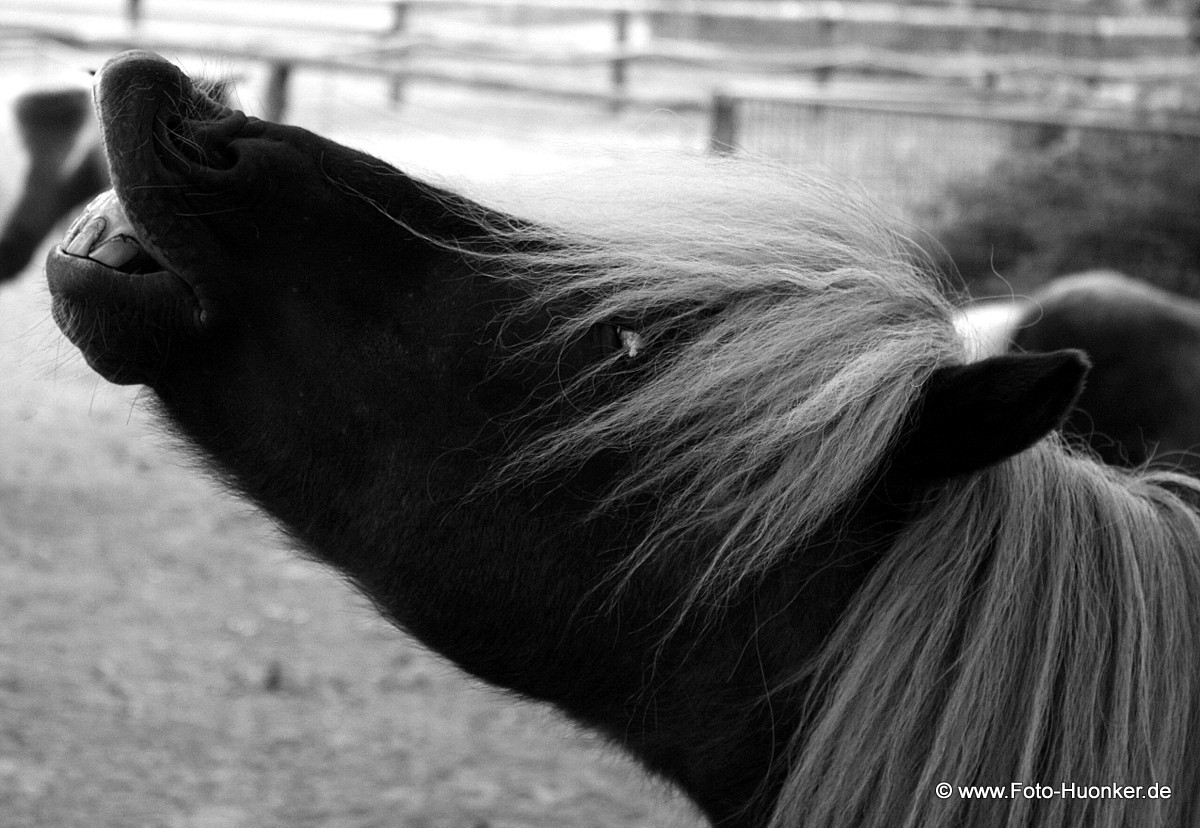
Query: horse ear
[[978, 414]]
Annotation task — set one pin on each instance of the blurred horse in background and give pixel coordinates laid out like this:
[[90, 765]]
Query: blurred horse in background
[[1142, 399], [65, 165]]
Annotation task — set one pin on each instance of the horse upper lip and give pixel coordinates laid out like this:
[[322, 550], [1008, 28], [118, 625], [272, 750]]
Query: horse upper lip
[[169, 127], [165, 145]]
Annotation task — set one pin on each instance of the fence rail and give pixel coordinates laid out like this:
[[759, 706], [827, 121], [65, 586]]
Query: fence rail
[[379, 38], [383, 46], [383, 17], [935, 15]]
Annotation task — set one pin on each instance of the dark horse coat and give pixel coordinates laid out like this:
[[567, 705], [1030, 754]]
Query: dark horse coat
[[700, 464], [1142, 398]]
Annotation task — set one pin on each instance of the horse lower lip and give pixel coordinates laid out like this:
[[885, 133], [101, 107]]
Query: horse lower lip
[[94, 287]]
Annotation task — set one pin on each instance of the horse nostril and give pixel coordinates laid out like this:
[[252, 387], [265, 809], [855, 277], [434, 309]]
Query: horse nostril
[[202, 143], [200, 148]]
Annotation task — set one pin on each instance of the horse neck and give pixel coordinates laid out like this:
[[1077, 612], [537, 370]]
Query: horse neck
[[517, 585], [1040, 623]]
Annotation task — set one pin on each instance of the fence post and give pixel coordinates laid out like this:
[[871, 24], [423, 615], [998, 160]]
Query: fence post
[[722, 131], [826, 33], [277, 91], [399, 27], [617, 71]]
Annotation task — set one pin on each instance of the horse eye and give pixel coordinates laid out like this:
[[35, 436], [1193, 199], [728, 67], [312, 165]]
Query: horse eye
[[632, 342]]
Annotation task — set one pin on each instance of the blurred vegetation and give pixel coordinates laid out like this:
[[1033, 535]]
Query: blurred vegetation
[[1074, 203]]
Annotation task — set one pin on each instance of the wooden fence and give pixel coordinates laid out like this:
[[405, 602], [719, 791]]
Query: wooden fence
[[837, 101], [964, 15], [385, 37]]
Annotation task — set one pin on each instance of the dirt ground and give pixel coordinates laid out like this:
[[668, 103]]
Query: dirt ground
[[165, 660]]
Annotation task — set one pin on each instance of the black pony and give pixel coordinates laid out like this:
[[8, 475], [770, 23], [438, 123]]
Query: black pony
[[65, 167], [1142, 399], [701, 464]]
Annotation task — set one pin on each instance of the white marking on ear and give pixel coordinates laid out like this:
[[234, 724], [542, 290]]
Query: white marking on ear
[[987, 328]]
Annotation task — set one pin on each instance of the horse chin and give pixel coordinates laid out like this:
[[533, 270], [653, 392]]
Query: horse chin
[[118, 303], [126, 325]]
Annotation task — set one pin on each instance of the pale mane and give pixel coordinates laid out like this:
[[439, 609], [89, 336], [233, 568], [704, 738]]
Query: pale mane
[[808, 333], [1036, 622]]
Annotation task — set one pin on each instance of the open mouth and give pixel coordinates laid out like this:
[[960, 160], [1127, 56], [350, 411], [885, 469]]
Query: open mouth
[[125, 310], [104, 234], [127, 279]]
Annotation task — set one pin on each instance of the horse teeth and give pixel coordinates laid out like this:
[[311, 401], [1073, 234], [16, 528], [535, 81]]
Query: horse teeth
[[86, 236], [77, 225], [116, 251], [103, 232], [101, 205]]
